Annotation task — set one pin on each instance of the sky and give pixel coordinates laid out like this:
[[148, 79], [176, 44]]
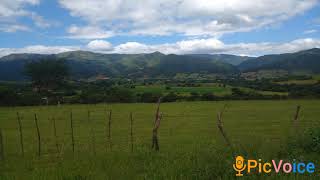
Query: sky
[[250, 27]]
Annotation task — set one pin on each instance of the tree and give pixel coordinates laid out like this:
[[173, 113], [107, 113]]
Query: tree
[[208, 97], [47, 74]]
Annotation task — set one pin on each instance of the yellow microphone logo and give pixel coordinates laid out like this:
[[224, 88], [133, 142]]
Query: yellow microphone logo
[[239, 166]]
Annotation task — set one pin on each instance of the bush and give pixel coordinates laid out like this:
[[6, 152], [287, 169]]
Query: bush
[[305, 144], [171, 97], [208, 97], [120, 95], [30, 98], [7, 96], [149, 97], [194, 96]]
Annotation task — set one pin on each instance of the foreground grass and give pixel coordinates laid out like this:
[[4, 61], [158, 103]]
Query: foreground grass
[[191, 146]]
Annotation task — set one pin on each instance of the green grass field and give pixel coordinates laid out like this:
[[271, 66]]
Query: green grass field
[[191, 146], [205, 88], [299, 82]]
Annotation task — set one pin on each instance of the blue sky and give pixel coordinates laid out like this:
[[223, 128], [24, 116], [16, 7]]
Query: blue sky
[[252, 27]]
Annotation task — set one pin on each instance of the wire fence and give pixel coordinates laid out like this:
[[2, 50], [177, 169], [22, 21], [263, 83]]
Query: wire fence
[[101, 130]]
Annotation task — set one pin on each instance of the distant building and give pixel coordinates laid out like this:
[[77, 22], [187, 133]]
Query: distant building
[[102, 77]]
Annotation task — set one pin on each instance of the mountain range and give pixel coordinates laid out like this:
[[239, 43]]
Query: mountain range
[[85, 64], [307, 61]]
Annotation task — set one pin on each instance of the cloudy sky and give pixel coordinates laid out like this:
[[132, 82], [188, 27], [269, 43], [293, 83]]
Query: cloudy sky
[[250, 27]]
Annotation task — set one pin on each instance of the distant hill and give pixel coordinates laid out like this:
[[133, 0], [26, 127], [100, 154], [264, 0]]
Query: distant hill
[[227, 58], [307, 61], [84, 64]]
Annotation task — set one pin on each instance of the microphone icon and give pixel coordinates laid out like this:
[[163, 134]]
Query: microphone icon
[[239, 166]]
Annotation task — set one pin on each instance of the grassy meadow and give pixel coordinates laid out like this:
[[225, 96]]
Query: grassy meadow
[[204, 88], [191, 146]]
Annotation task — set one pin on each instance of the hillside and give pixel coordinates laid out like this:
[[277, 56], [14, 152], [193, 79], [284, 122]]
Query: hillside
[[307, 61], [227, 58], [85, 64]]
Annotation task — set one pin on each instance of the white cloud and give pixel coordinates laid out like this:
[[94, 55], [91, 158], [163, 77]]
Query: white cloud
[[88, 32], [316, 21], [15, 8], [196, 46], [215, 46], [272, 48], [38, 49], [99, 45], [10, 28], [12, 10], [40, 22], [133, 48], [188, 17], [310, 31]]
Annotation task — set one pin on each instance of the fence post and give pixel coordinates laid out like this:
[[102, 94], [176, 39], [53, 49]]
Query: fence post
[[296, 117], [131, 131], [92, 133], [38, 134], [72, 135], [1, 146], [88, 116], [155, 142], [21, 135], [109, 130], [221, 129], [55, 134]]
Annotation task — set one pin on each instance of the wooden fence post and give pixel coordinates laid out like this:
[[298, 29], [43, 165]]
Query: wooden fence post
[[158, 117], [1, 146], [92, 133], [38, 134], [20, 133], [131, 131], [221, 129], [72, 135], [296, 117], [109, 130], [88, 116], [55, 134]]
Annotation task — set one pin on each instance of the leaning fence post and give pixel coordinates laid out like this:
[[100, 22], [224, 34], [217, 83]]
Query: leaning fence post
[[221, 129], [20, 133], [296, 117], [72, 135], [158, 117], [38, 134], [1, 146], [131, 131]]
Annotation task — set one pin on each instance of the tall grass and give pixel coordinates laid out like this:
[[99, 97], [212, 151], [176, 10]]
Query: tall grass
[[191, 144]]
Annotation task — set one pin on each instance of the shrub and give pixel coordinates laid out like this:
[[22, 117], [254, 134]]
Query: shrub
[[149, 97], [304, 144], [171, 97], [208, 97]]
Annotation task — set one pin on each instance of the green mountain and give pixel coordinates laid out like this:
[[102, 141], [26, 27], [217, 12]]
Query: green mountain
[[307, 61], [227, 58], [85, 64]]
